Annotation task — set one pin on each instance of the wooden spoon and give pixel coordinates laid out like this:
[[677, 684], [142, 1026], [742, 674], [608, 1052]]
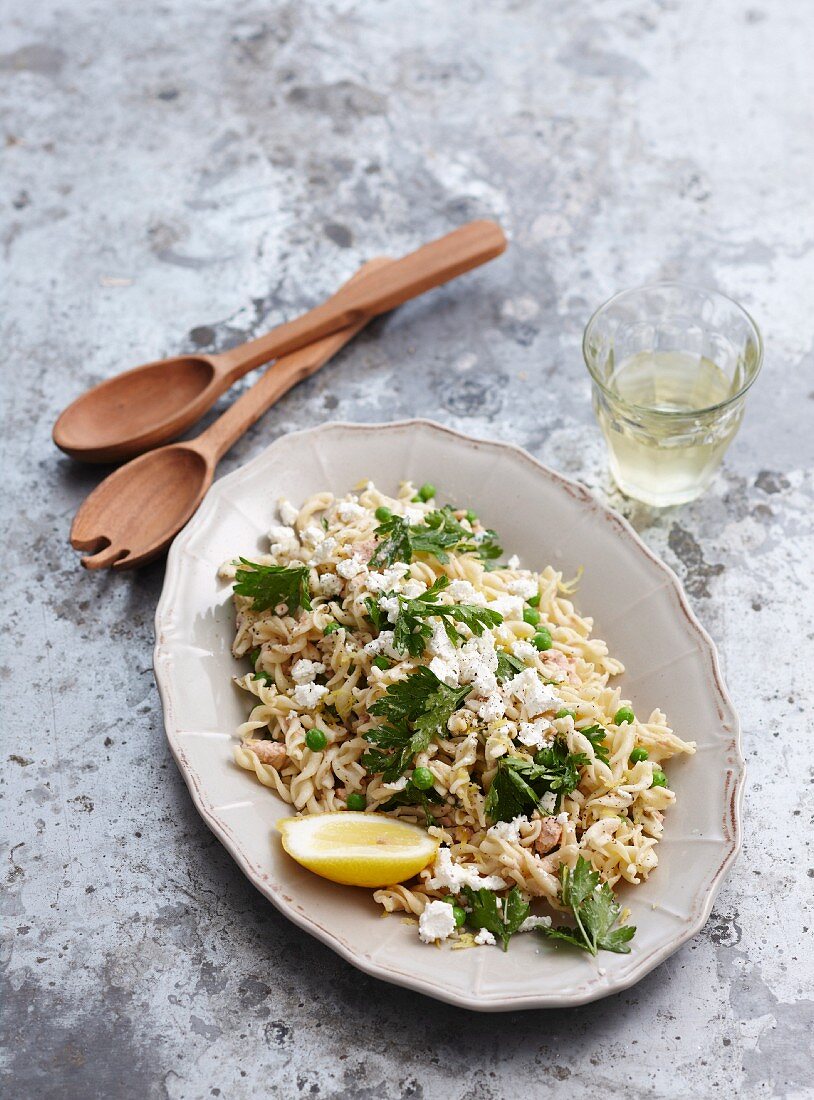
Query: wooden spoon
[[154, 403], [137, 511]]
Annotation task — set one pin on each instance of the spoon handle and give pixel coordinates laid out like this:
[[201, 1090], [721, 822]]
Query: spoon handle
[[286, 372], [429, 266]]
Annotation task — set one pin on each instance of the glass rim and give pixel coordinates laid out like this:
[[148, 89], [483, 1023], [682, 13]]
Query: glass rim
[[669, 413]]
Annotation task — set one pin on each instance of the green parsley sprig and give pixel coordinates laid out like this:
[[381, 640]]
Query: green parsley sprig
[[500, 916], [414, 796], [415, 710], [270, 585], [595, 911], [520, 785], [440, 532], [412, 632]]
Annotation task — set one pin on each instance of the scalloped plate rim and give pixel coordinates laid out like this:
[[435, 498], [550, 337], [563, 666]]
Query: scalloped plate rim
[[595, 988]]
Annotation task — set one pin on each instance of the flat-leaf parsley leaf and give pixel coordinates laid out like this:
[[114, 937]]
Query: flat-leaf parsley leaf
[[412, 632], [500, 916], [595, 911], [270, 585]]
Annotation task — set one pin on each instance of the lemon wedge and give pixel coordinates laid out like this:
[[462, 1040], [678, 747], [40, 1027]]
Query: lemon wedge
[[358, 849]]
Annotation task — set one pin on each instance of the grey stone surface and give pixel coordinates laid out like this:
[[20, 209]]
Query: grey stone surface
[[181, 175]]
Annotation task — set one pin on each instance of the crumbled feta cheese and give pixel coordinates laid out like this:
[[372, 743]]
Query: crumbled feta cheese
[[508, 830], [399, 785], [532, 693], [288, 513], [437, 922], [446, 671], [305, 671], [278, 533], [525, 587], [485, 937], [308, 695], [510, 607], [351, 567], [312, 535], [389, 580], [324, 551], [439, 644], [548, 803], [489, 709], [477, 663], [330, 584], [383, 644], [532, 922], [411, 589], [464, 592], [413, 515], [390, 605], [524, 650], [349, 510], [513, 562], [536, 734], [452, 876]]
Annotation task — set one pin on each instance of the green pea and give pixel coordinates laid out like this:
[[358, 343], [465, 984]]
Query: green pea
[[316, 740], [638, 755], [659, 778], [623, 714], [423, 779], [564, 712], [471, 516], [531, 616], [459, 914], [534, 601], [332, 628], [426, 492], [542, 639], [356, 802], [450, 900], [381, 662], [382, 513]]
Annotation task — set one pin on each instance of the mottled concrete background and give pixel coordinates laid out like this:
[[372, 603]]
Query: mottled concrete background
[[181, 175]]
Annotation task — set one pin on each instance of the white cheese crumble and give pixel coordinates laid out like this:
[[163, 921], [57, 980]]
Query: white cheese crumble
[[530, 923], [349, 510], [513, 562], [452, 876], [485, 937], [437, 922], [330, 584], [278, 533], [508, 830], [312, 535], [388, 580], [510, 607], [288, 513], [308, 695], [525, 651], [525, 587], [465, 592], [532, 693], [351, 567], [305, 671], [324, 551], [399, 784], [390, 605], [536, 734]]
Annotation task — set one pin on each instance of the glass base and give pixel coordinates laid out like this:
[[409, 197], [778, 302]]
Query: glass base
[[658, 499]]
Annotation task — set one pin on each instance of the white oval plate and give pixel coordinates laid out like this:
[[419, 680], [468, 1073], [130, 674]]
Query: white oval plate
[[638, 608]]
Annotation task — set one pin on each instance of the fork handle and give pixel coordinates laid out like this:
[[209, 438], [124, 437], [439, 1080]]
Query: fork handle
[[429, 266], [224, 432]]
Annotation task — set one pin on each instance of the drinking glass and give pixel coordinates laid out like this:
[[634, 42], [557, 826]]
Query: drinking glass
[[670, 365]]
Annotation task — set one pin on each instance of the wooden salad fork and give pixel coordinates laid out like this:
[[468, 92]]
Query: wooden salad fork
[[136, 512], [152, 404]]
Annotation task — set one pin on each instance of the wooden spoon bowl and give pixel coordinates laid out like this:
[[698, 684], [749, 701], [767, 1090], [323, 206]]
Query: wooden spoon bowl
[[137, 511], [139, 409]]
